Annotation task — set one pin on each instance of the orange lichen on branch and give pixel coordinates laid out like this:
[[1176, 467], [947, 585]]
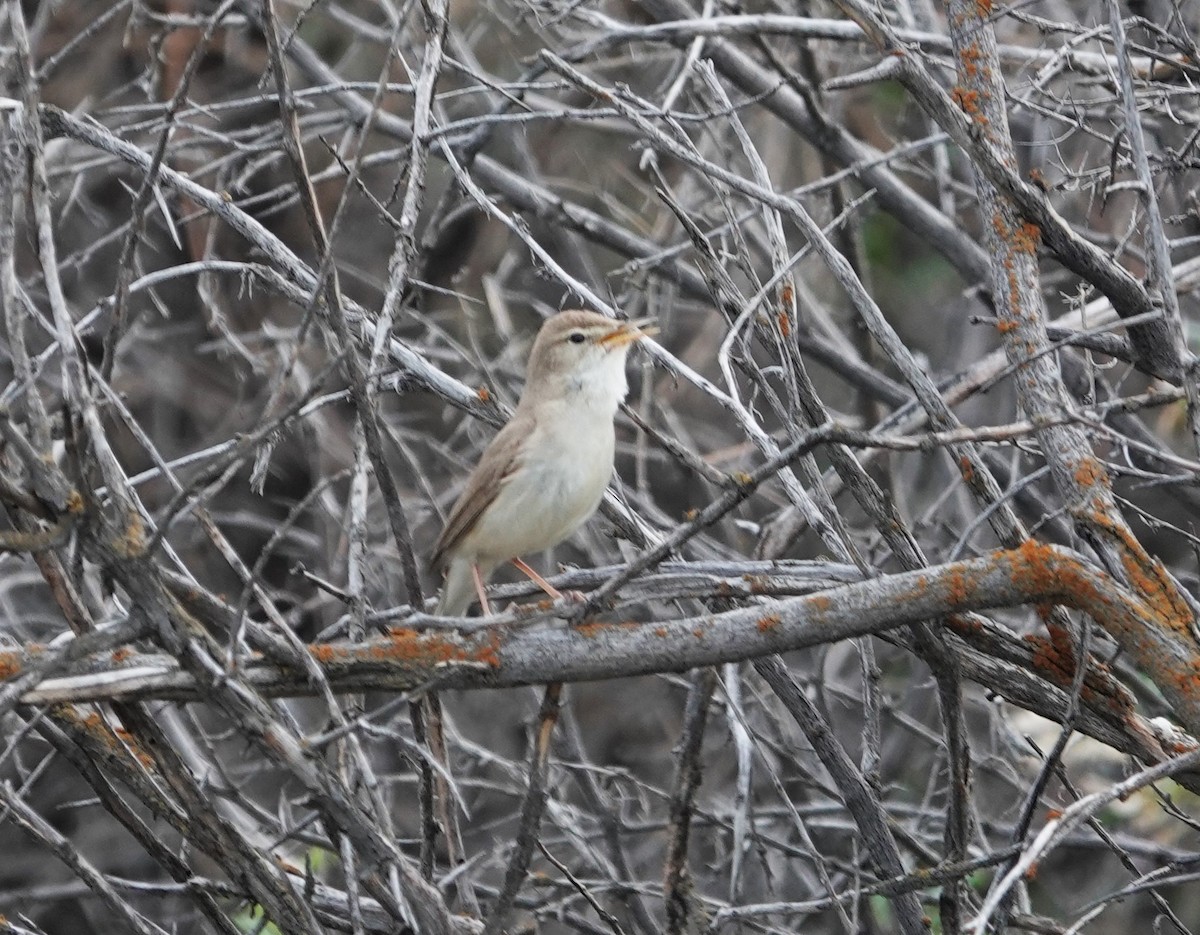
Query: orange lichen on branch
[[1023, 238], [968, 101], [10, 665], [1178, 746], [963, 625], [431, 649], [1148, 577], [1033, 567], [1047, 660], [594, 628], [1026, 238], [970, 56], [488, 653], [1062, 642], [324, 652], [983, 8], [1091, 472], [116, 741], [1056, 661], [959, 587], [1014, 293], [414, 647], [131, 744], [1038, 570], [768, 622]]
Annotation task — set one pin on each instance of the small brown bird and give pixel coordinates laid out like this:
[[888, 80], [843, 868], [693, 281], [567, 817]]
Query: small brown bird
[[544, 474]]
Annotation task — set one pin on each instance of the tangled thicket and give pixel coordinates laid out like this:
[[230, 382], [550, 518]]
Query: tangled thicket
[[891, 616]]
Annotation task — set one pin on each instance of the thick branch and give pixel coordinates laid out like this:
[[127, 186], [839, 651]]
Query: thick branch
[[506, 654]]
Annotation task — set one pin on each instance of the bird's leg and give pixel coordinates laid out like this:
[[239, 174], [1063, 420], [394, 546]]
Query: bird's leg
[[545, 585], [481, 590], [537, 579]]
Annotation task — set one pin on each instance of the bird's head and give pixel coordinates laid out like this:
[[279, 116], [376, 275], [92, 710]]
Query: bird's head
[[580, 356]]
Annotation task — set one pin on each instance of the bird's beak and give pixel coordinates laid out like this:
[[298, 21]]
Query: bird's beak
[[626, 332]]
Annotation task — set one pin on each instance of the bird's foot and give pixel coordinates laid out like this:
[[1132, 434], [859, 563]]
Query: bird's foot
[[560, 599], [522, 611]]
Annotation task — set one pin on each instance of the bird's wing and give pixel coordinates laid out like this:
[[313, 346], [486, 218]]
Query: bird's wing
[[495, 467]]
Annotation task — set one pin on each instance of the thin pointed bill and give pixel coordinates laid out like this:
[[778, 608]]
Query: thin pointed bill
[[627, 332]]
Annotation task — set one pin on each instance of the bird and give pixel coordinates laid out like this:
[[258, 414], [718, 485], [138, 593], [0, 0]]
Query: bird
[[545, 472]]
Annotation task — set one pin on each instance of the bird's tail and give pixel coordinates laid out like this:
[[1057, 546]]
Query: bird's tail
[[458, 590]]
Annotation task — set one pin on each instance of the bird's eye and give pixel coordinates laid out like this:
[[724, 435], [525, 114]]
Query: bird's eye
[[577, 337]]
